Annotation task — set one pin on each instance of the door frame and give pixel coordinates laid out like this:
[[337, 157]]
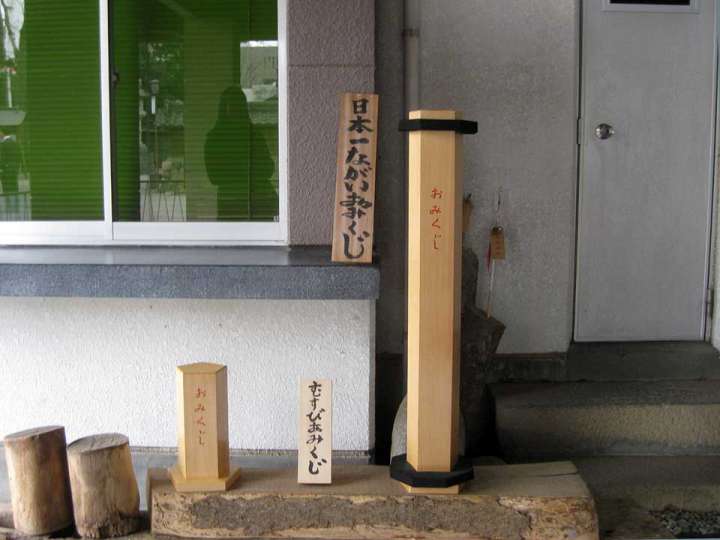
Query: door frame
[[713, 171]]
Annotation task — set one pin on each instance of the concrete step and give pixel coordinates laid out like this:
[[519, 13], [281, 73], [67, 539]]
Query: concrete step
[[638, 361], [567, 420]]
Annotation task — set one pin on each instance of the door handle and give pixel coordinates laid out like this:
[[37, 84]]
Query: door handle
[[604, 131]]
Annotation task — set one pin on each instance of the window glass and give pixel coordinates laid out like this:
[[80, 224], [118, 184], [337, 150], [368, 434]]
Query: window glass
[[195, 109], [50, 146]]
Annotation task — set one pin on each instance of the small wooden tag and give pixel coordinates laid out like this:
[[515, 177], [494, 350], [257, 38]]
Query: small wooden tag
[[497, 243], [315, 432]]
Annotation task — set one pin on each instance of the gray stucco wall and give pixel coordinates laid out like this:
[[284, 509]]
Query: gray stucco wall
[[331, 49], [512, 66], [108, 364]]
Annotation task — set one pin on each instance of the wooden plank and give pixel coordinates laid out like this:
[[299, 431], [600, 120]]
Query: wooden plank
[[353, 226], [434, 264], [315, 432], [364, 503]]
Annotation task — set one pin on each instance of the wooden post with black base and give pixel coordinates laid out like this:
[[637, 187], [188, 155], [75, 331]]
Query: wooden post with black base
[[432, 464]]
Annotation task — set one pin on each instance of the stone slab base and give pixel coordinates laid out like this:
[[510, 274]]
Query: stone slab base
[[533, 502]]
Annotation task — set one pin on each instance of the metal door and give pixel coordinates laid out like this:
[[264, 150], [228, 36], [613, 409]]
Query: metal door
[[646, 137]]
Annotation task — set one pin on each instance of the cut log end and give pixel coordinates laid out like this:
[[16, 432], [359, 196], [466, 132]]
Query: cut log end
[[96, 443], [105, 495], [32, 433], [38, 478]]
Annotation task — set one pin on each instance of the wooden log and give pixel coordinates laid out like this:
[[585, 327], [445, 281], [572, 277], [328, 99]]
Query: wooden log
[[105, 494], [535, 502], [38, 474]]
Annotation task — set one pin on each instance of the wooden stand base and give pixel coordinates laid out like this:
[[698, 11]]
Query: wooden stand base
[[363, 502], [184, 485], [452, 490]]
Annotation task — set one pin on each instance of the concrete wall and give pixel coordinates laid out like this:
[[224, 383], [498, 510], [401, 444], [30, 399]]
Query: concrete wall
[[331, 49], [713, 330], [98, 365], [512, 66]]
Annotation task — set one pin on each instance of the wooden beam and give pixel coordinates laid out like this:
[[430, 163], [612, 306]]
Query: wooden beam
[[434, 276]]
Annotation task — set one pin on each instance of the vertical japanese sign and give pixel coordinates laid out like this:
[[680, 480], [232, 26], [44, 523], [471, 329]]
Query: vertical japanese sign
[[199, 410], [315, 432], [436, 217], [355, 180]]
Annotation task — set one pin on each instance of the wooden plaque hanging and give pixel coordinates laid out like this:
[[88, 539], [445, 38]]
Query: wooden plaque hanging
[[355, 179]]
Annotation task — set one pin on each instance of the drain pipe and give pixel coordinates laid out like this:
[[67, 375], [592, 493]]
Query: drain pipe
[[411, 35], [411, 101]]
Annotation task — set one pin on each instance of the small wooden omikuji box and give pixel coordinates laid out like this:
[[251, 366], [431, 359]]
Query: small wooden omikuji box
[[203, 442]]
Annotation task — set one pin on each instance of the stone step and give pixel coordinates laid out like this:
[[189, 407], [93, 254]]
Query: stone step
[[571, 419], [638, 361]]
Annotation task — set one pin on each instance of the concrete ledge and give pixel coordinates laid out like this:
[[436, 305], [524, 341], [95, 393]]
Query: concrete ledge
[[518, 501], [299, 273], [642, 361]]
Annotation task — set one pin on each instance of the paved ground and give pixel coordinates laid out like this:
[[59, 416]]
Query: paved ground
[[633, 493], [655, 482]]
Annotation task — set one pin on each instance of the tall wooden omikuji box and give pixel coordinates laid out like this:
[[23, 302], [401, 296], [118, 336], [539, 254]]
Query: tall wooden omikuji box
[[435, 194], [203, 442]]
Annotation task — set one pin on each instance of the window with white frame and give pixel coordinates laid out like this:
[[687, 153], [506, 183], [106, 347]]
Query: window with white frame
[[142, 121]]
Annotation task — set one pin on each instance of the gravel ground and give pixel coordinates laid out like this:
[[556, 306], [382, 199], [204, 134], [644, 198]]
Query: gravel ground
[[686, 524]]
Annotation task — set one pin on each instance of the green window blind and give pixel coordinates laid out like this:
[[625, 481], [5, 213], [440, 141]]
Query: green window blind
[[195, 110], [50, 144]]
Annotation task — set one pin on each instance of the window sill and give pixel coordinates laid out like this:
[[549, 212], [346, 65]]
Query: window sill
[[298, 273]]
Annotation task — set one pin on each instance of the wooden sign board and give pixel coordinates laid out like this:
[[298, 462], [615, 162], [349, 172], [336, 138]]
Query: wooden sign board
[[355, 179], [203, 443], [315, 432]]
